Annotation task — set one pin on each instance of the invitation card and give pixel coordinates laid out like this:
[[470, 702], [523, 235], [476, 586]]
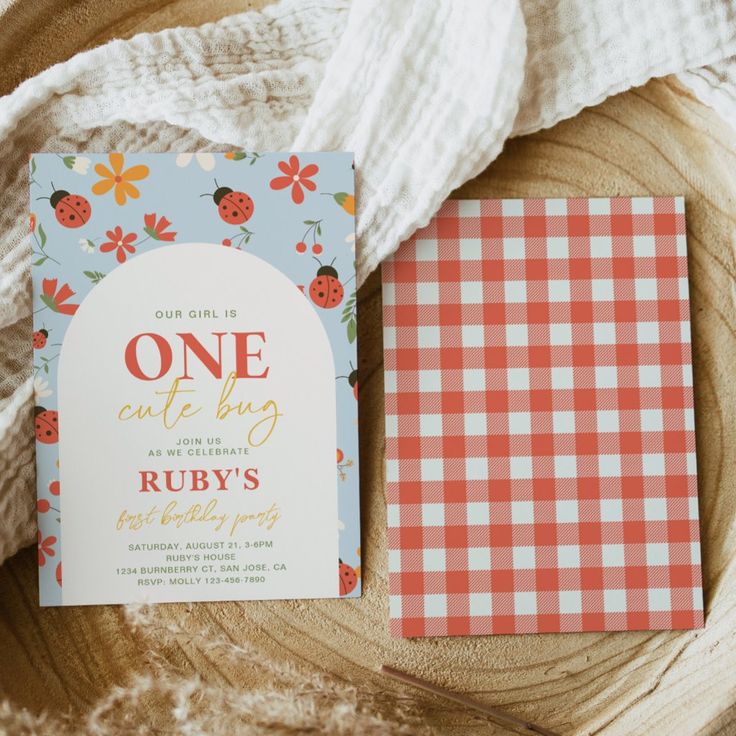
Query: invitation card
[[540, 439], [195, 376]]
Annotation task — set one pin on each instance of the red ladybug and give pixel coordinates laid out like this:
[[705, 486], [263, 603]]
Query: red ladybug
[[39, 338], [348, 578], [326, 290], [352, 380], [72, 210], [233, 207], [47, 425]]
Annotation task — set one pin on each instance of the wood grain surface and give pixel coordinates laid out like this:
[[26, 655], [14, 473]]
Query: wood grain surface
[[653, 140]]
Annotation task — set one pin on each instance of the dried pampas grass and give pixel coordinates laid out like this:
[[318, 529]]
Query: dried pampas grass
[[162, 699]]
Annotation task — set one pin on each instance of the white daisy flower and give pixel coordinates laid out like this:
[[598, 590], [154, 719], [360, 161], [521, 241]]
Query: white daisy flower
[[77, 164], [205, 160], [86, 245], [351, 239], [81, 165], [41, 388]]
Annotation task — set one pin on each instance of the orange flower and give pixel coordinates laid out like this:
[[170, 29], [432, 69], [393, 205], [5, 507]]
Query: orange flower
[[54, 299], [119, 178], [295, 178], [121, 244], [155, 229], [33, 222], [45, 547], [345, 200]]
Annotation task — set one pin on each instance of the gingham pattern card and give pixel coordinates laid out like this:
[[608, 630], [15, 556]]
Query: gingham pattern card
[[540, 443]]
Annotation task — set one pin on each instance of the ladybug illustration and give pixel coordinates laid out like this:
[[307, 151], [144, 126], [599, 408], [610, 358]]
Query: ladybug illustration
[[72, 210], [348, 578], [47, 425], [326, 290], [233, 207], [352, 378], [39, 338]]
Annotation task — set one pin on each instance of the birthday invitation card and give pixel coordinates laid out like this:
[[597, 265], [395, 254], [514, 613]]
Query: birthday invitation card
[[195, 376]]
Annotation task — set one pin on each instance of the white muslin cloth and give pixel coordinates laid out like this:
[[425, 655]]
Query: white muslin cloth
[[424, 93]]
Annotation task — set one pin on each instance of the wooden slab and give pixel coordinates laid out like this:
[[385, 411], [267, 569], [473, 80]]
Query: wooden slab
[[653, 140]]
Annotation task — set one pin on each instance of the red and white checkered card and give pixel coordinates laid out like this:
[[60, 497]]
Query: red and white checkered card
[[540, 445]]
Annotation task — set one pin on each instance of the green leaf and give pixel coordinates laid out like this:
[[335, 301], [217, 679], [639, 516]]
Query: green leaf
[[151, 233], [309, 222], [33, 166], [69, 161], [40, 261], [319, 229], [252, 161], [345, 317], [352, 331], [46, 368], [340, 197], [94, 276], [50, 302], [42, 234]]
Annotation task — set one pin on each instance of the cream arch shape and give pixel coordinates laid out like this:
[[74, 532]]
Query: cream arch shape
[[101, 457]]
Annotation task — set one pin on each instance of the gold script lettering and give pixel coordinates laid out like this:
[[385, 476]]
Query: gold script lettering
[[269, 409]]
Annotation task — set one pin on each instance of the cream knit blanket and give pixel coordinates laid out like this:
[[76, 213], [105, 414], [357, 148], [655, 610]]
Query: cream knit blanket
[[425, 92]]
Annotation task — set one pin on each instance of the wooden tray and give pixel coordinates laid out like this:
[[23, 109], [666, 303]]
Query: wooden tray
[[654, 140]]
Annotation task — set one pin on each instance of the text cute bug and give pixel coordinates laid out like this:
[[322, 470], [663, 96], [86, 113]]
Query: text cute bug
[[326, 290], [234, 207], [71, 210]]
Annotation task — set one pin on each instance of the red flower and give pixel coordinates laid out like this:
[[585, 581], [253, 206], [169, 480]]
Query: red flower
[[156, 229], [54, 299], [295, 178], [45, 547], [121, 244]]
